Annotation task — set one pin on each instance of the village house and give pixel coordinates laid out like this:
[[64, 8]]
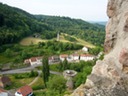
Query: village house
[[70, 58], [3, 92], [26, 61], [53, 59], [24, 91], [85, 49], [5, 81], [33, 61], [75, 57], [63, 57], [86, 57]]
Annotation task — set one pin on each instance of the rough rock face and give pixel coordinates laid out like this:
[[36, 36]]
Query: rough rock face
[[109, 77]]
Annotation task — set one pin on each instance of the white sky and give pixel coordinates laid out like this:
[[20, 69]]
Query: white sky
[[89, 10]]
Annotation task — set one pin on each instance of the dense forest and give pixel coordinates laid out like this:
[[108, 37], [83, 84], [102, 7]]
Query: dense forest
[[16, 24], [93, 33]]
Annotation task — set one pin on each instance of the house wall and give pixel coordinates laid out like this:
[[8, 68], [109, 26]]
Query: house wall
[[62, 59], [33, 63], [85, 49], [75, 57], [3, 94], [17, 94], [39, 62], [86, 58]]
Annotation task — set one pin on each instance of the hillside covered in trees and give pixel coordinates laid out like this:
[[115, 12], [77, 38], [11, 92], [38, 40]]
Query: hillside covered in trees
[[16, 24]]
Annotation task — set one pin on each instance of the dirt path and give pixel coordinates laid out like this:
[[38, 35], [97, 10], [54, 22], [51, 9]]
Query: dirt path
[[35, 79]]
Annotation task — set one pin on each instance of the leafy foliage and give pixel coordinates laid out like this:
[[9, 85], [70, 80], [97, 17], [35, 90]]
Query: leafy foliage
[[16, 24], [93, 33], [83, 69], [57, 83], [45, 69], [26, 75], [72, 39]]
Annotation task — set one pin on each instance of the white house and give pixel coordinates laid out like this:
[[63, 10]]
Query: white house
[[3, 92], [75, 57], [26, 61], [63, 56], [70, 58], [39, 60], [86, 57], [85, 49], [53, 59], [24, 91], [33, 61]]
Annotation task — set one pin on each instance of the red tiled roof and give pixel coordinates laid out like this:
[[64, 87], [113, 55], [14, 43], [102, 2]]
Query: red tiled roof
[[86, 55], [64, 56], [75, 55], [25, 90], [5, 79], [33, 59], [2, 90]]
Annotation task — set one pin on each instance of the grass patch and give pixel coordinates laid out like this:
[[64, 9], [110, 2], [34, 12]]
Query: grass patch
[[39, 84], [16, 83], [40, 93], [4, 59], [54, 67], [31, 41], [77, 40]]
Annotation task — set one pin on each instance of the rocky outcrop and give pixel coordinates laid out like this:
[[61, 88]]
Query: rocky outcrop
[[109, 77]]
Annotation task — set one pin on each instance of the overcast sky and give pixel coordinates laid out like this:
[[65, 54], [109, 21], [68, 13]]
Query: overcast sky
[[89, 10]]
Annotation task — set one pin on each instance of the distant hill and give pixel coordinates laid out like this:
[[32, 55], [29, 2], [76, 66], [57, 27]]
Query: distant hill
[[93, 33], [15, 24], [100, 22]]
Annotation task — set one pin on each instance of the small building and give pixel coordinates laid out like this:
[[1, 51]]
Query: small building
[[85, 49], [39, 60], [63, 56], [53, 59], [5, 81], [3, 92], [70, 58], [58, 36], [33, 61], [86, 57], [75, 57], [24, 91], [26, 61]]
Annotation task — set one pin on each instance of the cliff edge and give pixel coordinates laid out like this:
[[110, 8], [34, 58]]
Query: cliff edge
[[109, 77]]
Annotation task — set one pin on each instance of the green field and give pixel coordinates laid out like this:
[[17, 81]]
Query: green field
[[4, 59], [31, 40]]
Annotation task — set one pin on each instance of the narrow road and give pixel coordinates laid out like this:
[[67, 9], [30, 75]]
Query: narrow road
[[28, 69]]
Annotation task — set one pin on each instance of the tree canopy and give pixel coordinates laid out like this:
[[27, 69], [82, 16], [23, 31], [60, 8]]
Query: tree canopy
[[16, 24]]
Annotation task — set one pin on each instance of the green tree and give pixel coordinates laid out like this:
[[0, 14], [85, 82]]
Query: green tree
[[45, 69], [57, 84], [8, 52], [60, 66], [65, 64]]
